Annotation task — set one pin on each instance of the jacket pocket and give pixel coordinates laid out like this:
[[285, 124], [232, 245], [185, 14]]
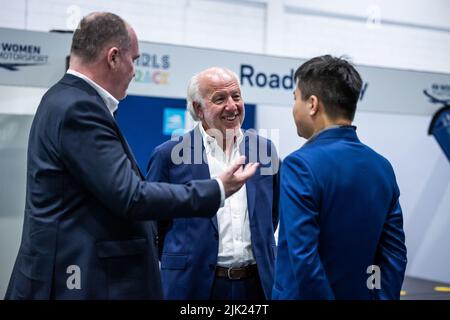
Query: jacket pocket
[[126, 264], [173, 261]]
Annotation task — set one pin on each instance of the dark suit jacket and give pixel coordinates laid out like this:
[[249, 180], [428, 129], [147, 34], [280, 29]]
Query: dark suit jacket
[[85, 203], [339, 215], [189, 246]]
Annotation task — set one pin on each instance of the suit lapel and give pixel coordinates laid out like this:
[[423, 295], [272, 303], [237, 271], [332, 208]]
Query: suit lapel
[[128, 151], [200, 170], [250, 186]]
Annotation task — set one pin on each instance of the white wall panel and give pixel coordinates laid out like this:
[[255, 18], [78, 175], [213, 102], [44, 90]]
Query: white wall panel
[[13, 14], [385, 45], [412, 34]]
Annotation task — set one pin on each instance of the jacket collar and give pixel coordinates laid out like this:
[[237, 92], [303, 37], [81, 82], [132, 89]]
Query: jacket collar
[[107, 97], [346, 132]]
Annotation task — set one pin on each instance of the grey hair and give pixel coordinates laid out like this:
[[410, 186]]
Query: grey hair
[[193, 90], [193, 95]]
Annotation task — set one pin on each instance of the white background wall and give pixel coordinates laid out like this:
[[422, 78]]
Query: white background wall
[[412, 34], [399, 34]]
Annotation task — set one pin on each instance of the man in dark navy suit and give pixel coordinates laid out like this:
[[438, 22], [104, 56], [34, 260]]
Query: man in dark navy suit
[[231, 255], [84, 235], [341, 225]]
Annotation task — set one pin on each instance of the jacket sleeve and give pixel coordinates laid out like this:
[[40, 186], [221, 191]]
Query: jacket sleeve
[[391, 253], [299, 212], [93, 153]]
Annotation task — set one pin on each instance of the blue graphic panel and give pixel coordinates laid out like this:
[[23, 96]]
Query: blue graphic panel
[[146, 122], [173, 120]]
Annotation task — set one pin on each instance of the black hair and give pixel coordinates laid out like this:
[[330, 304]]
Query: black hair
[[334, 81]]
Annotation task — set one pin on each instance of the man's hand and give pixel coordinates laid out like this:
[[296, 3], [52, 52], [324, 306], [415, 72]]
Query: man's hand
[[235, 176]]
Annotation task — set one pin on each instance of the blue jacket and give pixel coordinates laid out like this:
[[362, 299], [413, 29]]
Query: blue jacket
[[83, 234], [189, 247], [339, 215]]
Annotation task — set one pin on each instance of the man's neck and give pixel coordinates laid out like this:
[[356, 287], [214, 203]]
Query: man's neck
[[93, 71], [327, 123], [225, 143]]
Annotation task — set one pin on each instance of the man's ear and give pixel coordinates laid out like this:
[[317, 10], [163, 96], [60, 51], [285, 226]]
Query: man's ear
[[198, 109], [313, 104], [112, 57]]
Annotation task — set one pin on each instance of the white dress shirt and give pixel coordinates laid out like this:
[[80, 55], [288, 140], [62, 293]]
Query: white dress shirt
[[235, 248], [111, 102]]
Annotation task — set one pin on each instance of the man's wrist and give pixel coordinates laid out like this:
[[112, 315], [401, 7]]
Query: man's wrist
[[222, 192]]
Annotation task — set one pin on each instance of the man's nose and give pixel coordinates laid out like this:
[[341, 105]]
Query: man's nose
[[231, 104]]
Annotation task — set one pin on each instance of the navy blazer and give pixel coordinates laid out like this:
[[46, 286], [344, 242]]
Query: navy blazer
[[189, 247], [83, 233], [339, 215]]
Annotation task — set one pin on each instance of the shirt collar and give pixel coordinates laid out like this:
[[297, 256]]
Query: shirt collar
[[111, 102], [329, 128]]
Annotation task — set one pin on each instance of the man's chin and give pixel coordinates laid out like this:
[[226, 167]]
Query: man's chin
[[232, 132], [233, 127], [300, 133], [123, 96]]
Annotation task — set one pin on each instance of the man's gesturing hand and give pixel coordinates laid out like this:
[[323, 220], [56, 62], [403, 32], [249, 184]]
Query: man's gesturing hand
[[235, 176]]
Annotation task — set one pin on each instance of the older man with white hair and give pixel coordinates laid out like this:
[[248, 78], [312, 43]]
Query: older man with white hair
[[231, 255]]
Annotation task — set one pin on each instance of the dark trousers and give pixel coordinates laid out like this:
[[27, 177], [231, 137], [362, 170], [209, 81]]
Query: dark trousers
[[242, 289]]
